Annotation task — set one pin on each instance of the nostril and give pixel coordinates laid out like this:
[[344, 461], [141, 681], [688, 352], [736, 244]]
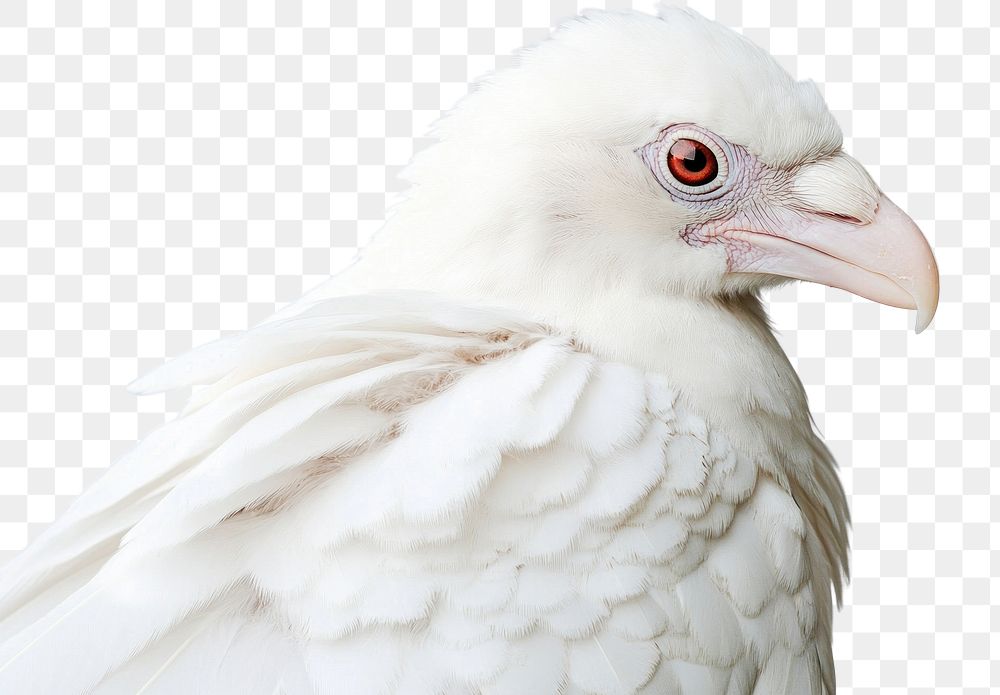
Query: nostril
[[840, 217]]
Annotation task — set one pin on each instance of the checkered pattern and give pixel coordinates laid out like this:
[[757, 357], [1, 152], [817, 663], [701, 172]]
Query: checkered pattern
[[170, 171]]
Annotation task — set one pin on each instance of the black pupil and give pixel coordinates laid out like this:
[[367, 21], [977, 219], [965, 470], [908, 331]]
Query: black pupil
[[694, 159]]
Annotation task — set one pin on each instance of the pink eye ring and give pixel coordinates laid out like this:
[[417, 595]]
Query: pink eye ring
[[690, 162]]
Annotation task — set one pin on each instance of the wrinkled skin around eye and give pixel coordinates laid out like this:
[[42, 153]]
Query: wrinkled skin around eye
[[740, 200]]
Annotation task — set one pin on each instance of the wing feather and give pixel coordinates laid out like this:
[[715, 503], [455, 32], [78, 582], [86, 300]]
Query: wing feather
[[387, 494]]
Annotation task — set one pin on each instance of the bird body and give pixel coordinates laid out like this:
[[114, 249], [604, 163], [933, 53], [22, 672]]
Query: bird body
[[539, 439], [385, 494]]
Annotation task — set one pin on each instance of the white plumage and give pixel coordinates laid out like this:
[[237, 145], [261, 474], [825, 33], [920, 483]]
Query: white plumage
[[402, 502], [569, 457]]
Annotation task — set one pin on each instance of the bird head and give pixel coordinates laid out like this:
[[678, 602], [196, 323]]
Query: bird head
[[660, 155]]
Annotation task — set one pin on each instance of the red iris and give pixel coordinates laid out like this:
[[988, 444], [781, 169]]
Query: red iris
[[692, 163]]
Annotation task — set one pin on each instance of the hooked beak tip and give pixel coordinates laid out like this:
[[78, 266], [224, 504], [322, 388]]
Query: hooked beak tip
[[926, 297]]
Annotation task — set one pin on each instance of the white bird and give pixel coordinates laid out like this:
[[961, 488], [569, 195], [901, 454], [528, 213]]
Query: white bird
[[540, 439]]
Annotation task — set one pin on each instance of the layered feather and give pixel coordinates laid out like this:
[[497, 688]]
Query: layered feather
[[401, 495]]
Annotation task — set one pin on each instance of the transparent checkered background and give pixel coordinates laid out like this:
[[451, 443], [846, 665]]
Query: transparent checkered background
[[173, 171]]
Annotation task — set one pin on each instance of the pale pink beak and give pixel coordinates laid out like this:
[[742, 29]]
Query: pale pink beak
[[886, 260]]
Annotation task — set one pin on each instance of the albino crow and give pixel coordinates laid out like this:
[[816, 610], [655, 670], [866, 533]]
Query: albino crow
[[539, 439]]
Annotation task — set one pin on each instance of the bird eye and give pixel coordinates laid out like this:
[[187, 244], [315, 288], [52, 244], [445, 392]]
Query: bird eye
[[692, 163]]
